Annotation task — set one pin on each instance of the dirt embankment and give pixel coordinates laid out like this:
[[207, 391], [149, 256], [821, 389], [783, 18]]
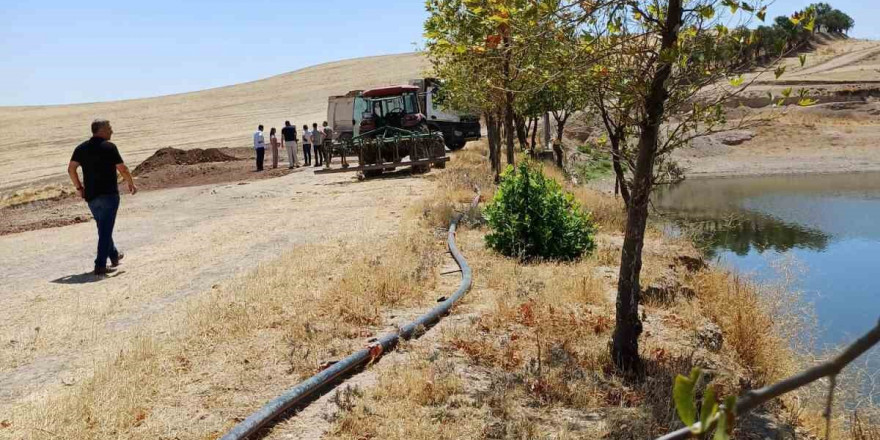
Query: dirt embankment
[[175, 156]]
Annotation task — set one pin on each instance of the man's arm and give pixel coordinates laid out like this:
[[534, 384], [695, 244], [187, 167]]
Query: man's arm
[[127, 176], [74, 177]]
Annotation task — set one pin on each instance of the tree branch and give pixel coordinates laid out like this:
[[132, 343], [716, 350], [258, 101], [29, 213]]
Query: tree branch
[[831, 368]]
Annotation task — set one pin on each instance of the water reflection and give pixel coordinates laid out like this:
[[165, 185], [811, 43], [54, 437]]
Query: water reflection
[[746, 232]]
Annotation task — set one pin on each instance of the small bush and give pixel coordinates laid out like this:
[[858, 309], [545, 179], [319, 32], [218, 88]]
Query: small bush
[[532, 217]]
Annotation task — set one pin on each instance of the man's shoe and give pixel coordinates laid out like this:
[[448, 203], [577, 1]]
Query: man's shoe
[[114, 263], [104, 270]]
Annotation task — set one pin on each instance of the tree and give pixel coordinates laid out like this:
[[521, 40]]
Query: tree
[[667, 69], [658, 73], [484, 50]]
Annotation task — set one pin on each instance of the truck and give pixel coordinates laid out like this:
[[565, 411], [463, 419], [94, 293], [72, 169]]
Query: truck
[[457, 127], [345, 112]]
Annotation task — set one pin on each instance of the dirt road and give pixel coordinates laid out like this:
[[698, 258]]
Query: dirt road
[[179, 242]]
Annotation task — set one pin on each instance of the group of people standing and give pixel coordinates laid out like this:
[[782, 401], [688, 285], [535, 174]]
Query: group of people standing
[[315, 143]]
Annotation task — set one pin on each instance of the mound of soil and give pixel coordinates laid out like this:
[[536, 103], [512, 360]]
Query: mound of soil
[[174, 156]]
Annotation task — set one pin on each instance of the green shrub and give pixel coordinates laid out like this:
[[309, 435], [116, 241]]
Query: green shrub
[[532, 217]]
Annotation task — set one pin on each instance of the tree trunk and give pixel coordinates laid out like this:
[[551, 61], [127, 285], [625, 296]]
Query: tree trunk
[[561, 118], [509, 132], [625, 341], [508, 103], [492, 135], [521, 131], [534, 133], [616, 139], [499, 142]]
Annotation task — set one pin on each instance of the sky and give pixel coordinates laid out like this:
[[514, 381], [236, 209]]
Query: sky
[[63, 52]]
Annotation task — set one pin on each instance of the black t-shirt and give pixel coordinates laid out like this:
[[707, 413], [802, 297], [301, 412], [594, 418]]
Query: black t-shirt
[[98, 159], [289, 133]]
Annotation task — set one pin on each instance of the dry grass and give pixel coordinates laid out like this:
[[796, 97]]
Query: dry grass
[[537, 343], [397, 276], [29, 195], [606, 211], [419, 399], [234, 348], [738, 307]]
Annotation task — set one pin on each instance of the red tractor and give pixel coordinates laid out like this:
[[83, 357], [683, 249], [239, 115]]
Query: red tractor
[[388, 128]]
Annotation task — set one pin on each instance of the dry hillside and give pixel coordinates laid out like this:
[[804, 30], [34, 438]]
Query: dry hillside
[[221, 117]]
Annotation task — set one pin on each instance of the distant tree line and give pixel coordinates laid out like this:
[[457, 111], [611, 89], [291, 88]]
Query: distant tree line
[[788, 34]]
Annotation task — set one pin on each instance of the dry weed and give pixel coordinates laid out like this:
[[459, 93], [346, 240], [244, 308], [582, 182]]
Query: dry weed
[[234, 348], [393, 275], [30, 195], [418, 399], [739, 307]]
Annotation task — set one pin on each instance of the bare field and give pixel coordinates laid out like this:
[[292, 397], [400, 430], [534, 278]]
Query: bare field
[[36, 142], [61, 324], [825, 138]]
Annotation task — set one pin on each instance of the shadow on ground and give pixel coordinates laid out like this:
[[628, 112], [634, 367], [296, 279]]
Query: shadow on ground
[[85, 278]]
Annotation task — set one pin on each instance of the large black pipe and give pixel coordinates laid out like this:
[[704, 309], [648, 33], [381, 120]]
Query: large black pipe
[[303, 390]]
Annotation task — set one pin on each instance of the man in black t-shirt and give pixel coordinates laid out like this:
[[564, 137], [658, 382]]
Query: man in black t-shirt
[[288, 141], [100, 159]]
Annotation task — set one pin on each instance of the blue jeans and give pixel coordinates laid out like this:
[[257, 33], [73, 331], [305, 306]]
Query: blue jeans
[[104, 209], [307, 154], [261, 153]]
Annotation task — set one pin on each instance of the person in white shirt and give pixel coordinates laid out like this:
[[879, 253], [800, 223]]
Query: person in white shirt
[[260, 147], [317, 144], [307, 146]]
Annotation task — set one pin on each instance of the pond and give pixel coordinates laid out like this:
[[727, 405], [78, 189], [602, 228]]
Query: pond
[[828, 225]]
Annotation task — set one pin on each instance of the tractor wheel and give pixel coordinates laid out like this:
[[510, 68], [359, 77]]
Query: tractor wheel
[[438, 149], [371, 158], [369, 174], [416, 153]]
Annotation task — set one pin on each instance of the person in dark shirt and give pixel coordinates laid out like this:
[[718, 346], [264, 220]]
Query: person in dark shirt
[[100, 160], [288, 141]]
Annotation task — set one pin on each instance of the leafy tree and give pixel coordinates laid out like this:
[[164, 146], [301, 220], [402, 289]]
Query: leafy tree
[[667, 69], [485, 50]]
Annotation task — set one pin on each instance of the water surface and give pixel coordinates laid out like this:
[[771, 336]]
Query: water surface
[[827, 224]]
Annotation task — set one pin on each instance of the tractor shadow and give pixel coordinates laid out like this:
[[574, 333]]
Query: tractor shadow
[[404, 173]]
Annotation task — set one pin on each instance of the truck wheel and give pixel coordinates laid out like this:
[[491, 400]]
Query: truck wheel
[[456, 145]]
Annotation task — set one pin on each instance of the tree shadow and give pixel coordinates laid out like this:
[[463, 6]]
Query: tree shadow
[[85, 278]]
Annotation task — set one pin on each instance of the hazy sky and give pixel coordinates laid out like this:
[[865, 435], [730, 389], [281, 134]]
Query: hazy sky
[[58, 52]]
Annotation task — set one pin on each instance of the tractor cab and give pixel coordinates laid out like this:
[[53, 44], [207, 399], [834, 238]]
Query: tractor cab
[[394, 106]]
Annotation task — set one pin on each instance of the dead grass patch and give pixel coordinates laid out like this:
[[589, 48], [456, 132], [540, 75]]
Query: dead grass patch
[[740, 308], [395, 275], [237, 346], [419, 399]]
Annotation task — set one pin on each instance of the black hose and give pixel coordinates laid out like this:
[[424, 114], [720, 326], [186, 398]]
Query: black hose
[[301, 391]]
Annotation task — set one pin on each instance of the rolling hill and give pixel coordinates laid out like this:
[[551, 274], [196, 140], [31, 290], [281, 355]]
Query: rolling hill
[[36, 142]]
